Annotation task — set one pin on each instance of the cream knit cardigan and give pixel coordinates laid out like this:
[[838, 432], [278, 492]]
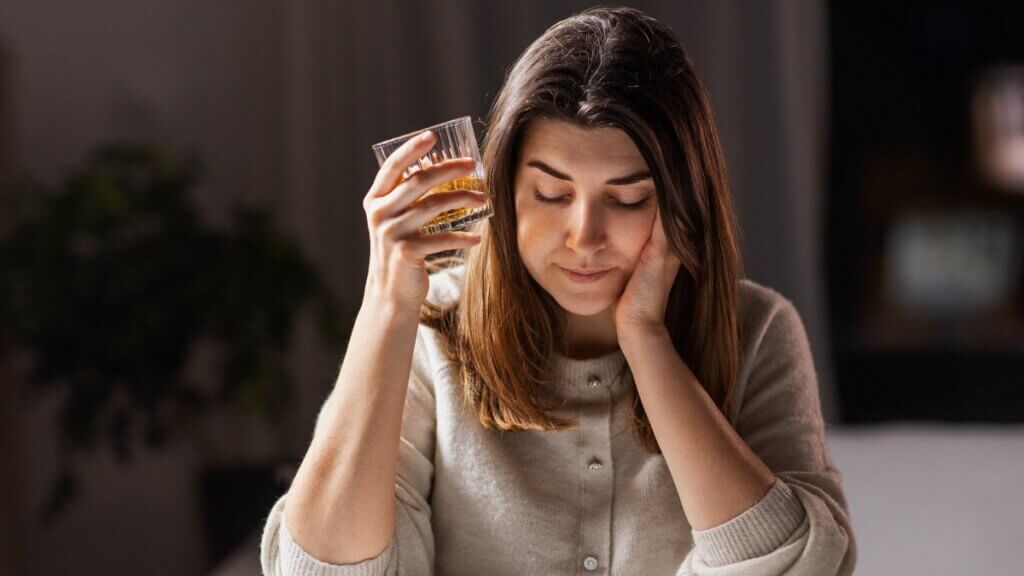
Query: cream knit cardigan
[[590, 500]]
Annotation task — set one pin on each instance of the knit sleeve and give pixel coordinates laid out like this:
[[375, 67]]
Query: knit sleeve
[[801, 527], [411, 549]]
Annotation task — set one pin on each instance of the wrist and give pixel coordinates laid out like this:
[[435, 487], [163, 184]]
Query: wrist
[[641, 335], [387, 309]]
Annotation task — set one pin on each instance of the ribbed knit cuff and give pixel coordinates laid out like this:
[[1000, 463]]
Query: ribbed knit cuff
[[295, 560], [758, 531]]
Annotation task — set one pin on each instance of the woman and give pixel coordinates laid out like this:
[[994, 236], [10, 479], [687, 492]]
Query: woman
[[592, 387]]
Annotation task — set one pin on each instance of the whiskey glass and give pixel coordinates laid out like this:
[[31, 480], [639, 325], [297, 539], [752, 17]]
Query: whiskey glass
[[453, 139]]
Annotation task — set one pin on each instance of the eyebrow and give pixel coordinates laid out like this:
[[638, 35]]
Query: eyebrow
[[620, 181]]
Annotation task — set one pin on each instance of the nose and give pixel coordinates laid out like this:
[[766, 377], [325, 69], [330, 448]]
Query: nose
[[586, 233]]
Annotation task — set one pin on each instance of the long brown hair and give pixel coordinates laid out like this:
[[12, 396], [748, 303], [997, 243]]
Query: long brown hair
[[605, 67]]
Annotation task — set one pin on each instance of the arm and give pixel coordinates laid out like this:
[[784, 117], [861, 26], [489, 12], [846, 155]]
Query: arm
[[716, 474], [762, 498], [359, 501], [340, 514]]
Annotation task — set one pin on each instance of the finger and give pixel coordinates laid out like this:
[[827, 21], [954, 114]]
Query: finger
[[658, 231], [662, 235], [674, 264], [659, 239], [431, 206], [406, 193], [390, 173], [450, 240], [673, 261]]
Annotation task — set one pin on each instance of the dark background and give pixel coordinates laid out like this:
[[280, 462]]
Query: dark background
[[901, 132], [840, 121]]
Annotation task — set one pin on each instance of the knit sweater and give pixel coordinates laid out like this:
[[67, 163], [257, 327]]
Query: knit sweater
[[590, 500]]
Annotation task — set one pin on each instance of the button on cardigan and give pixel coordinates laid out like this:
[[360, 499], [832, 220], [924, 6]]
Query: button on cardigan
[[590, 500]]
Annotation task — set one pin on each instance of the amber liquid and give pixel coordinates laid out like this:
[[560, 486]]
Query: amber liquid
[[458, 217]]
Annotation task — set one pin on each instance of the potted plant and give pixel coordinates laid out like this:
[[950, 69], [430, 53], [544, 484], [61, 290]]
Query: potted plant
[[110, 283]]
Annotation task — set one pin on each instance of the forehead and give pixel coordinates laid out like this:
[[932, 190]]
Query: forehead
[[570, 143]]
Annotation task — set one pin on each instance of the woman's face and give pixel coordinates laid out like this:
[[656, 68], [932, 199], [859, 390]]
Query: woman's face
[[585, 200]]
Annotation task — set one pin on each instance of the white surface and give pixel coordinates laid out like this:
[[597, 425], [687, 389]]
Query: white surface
[[933, 500]]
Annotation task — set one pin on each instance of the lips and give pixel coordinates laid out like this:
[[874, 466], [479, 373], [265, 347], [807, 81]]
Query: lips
[[583, 275]]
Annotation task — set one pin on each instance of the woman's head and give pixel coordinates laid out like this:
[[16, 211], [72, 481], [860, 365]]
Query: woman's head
[[604, 95], [585, 200]]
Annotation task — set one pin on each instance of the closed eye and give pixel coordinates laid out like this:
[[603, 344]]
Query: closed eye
[[615, 202]]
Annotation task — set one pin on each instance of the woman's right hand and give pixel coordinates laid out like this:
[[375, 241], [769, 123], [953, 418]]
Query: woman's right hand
[[398, 249]]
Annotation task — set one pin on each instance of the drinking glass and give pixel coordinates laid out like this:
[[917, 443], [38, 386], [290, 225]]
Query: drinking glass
[[453, 139]]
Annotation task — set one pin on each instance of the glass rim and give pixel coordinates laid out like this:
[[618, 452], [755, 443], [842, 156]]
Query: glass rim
[[433, 127]]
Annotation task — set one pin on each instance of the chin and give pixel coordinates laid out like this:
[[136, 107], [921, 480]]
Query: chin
[[585, 306]]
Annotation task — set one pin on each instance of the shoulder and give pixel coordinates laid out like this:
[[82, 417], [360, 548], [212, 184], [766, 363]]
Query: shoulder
[[761, 308], [773, 340]]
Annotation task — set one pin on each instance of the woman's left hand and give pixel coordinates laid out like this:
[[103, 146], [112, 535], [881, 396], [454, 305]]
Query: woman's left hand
[[643, 303]]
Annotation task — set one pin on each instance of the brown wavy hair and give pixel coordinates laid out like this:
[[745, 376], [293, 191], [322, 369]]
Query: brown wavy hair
[[604, 67]]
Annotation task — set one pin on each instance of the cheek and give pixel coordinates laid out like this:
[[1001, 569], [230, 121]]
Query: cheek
[[535, 235], [634, 233], [636, 241], [537, 229]]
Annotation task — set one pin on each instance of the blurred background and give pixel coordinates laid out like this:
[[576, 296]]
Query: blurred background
[[182, 249]]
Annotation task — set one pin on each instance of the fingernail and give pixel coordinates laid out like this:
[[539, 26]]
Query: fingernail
[[425, 136]]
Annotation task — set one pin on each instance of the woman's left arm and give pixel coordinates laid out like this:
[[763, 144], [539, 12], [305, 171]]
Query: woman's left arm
[[763, 498]]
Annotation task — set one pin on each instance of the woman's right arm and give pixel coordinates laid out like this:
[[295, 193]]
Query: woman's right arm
[[341, 506]]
